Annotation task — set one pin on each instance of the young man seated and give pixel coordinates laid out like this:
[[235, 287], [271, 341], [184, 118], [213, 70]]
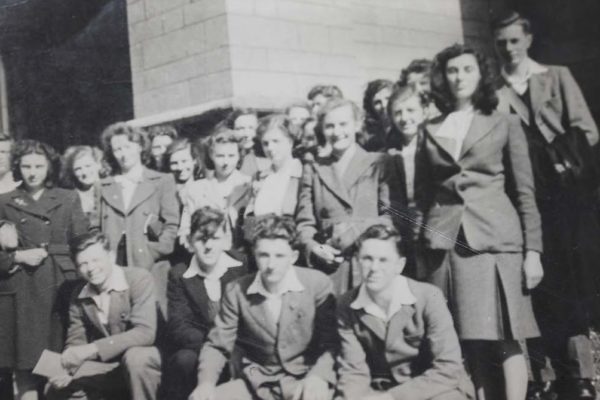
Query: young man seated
[[281, 319], [112, 318], [397, 337], [193, 292]]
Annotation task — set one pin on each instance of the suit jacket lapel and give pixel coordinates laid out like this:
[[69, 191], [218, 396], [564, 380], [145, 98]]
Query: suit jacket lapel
[[22, 201], [374, 324], [516, 103], [144, 189], [538, 91], [445, 146], [119, 310], [112, 194], [331, 179], [292, 312], [399, 323], [480, 127], [260, 313], [91, 311], [359, 162]]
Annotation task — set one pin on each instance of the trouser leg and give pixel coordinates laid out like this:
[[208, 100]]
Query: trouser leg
[[142, 372]]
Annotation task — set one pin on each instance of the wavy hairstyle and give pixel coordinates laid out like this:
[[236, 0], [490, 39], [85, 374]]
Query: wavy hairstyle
[[276, 227], [372, 89], [72, 154], [222, 135], [134, 134], [25, 147], [183, 143], [484, 99], [402, 93]]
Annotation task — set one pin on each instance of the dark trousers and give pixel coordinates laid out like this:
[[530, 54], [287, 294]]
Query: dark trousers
[[6, 384], [180, 374]]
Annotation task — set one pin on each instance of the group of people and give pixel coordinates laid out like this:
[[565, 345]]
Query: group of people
[[449, 226]]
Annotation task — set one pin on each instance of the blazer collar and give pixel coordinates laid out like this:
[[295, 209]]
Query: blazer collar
[[539, 90], [480, 127], [112, 194], [379, 328], [512, 99], [293, 312], [43, 207]]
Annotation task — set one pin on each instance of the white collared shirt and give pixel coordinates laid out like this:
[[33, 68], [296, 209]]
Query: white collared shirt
[[521, 83], [129, 182], [341, 165], [402, 295], [274, 301], [212, 280], [273, 189], [455, 127], [116, 282]]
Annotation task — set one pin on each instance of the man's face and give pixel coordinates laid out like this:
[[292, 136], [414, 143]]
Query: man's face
[[420, 80], [95, 264], [512, 44], [208, 250], [5, 146], [408, 115], [317, 103], [379, 263], [340, 127], [274, 258], [245, 128], [181, 165]]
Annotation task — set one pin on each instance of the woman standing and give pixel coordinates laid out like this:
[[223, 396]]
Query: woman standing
[[481, 223], [377, 124], [82, 170], [33, 278]]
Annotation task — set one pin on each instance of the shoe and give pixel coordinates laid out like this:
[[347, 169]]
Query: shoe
[[583, 389]]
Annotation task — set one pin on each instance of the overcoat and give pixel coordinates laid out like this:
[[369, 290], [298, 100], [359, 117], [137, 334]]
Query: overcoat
[[34, 300]]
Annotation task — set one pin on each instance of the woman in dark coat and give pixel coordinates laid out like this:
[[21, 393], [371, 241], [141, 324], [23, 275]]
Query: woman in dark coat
[[34, 278], [482, 229]]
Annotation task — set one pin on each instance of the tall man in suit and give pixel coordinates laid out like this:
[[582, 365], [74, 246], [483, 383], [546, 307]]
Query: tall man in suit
[[281, 318], [397, 336], [112, 318], [560, 131]]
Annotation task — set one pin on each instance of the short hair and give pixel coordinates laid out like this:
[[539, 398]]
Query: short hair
[[81, 242], [382, 232], [222, 136], [484, 99], [329, 91], [373, 88], [334, 104], [207, 221], [72, 154], [274, 121], [510, 17], [417, 66], [21, 148], [134, 134], [402, 93], [239, 112], [182, 143], [276, 227], [162, 130], [297, 104]]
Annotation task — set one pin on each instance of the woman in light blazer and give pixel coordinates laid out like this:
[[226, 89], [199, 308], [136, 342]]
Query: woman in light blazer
[[481, 227]]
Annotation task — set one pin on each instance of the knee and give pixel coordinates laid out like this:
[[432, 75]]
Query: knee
[[139, 359], [184, 361]]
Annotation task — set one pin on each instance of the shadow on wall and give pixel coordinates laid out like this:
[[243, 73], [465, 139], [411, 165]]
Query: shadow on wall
[[67, 92]]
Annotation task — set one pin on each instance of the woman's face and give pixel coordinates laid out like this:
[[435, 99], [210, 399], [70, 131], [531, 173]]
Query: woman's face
[[86, 170], [463, 76], [225, 157], [277, 146], [34, 170], [340, 127], [379, 102], [245, 128], [182, 165], [408, 115], [127, 153], [159, 145]]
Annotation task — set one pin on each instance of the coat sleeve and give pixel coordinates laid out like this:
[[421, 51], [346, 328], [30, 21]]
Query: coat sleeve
[[354, 375], [305, 215], [185, 332], [446, 371], [169, 214], [578, 112], [143, 321], [326, 339], [221, 339], [76, 330], [517, 159]]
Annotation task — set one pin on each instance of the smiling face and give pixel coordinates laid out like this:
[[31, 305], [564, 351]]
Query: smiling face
[[86, 170], [225, 157], [34, 170], [245, 129], [95, 264], [181, 165], [340, 126], [408, 115], [127, 153], [379, 102], [209, 250], [274, 258], [512, 44], [277, 146], [379, 263], [463, 76]]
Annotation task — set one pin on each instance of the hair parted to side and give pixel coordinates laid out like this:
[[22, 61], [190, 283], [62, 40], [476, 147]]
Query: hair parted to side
[[206, 221], [72, 154], [510, 17], [239, 112], [274, 121], [372, 89], [162, 130], [484, 99], [222, 135], [183, 143], [382, 232], [329, 91], [81, 242], [134, 134], [21, 148], [276, 227], [417, 66], [334, 104]]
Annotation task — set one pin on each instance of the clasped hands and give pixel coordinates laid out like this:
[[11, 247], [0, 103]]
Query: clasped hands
[[71, 360]]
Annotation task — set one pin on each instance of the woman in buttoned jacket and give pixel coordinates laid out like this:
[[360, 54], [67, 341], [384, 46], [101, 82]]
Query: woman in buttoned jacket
[[142, 228], [34, 279], [481, 226]]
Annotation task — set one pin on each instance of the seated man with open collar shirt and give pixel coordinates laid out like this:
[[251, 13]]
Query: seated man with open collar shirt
[[281, 319], [397, 337], [112, 318]]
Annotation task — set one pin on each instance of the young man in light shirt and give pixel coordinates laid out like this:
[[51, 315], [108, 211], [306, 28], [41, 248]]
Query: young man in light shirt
[[112, 318], [397, 337], [281, 319]]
